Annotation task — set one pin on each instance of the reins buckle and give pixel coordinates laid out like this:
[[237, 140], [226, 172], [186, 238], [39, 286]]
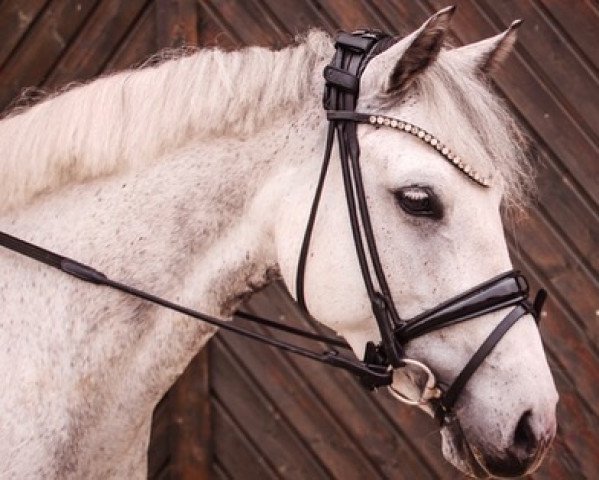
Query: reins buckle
[[430, 391]]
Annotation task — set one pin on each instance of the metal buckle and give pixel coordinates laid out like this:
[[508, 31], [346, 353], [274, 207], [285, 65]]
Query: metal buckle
[[430, 390], [368, 33]]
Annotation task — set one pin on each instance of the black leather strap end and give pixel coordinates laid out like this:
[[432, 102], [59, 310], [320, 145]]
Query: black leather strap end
[[538, 303], [347, 115], [451, 395], [341, 79], [356, 43]]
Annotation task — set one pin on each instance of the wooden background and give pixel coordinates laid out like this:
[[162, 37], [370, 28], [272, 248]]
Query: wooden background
[[243, 411]]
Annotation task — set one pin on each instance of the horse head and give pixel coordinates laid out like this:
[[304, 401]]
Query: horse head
[[437, 225]]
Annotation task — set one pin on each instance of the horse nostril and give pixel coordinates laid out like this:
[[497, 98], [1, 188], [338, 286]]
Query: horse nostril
[[528, 445], [525, 440]]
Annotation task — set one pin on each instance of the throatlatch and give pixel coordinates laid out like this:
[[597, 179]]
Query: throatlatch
[[342, 75]]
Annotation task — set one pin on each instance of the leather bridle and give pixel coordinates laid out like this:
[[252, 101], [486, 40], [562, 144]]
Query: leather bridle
[[342, 75], [353, 51]]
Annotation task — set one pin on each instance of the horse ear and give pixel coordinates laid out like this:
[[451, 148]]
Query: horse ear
[[486, 56], [411, 55]]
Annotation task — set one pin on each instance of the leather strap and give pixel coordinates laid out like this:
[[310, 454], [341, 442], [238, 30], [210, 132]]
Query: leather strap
[[303, 257], [449, 398], [341, 93], [372, 375], [505, 290]]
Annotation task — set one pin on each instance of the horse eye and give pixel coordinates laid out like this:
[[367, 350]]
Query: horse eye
[[419, 201]]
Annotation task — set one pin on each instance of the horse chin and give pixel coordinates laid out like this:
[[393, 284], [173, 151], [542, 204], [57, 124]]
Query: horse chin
[[458, 452]]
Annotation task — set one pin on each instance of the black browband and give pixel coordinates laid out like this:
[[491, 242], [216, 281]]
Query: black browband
[[376, 370]]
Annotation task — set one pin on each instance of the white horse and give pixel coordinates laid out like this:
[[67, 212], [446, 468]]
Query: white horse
[[193, 179]]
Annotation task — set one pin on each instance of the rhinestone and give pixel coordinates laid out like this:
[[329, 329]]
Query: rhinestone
[[427, 137], [476, 176], [445, 151], [460, 165], [421, 134], [450, 155], [394, 123], [456, 160], [400, 125], [380, 120], [439, 146], [407, 127], [387, 121], [466, 168], [372, 119], [434, 141]]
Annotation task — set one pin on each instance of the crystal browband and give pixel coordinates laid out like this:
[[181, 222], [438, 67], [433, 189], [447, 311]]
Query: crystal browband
[[419, 133]]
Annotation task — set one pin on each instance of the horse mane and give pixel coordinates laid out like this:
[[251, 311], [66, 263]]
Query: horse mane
[[135, 117]]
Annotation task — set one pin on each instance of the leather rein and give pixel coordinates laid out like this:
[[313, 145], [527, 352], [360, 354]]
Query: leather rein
[[353, 51]]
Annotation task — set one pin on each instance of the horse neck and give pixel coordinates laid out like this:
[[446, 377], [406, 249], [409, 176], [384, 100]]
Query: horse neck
[[198, 229]]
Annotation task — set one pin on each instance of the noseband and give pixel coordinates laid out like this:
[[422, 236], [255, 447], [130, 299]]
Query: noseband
[[353, 51]]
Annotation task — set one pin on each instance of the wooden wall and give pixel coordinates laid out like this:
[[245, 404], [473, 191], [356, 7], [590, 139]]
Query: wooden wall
[[243, 411]]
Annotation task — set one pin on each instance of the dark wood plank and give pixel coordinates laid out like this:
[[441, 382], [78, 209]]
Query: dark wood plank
[[270, 21], [15, 20], [34, 58], [548, 255], [105, 30], [214, 17], [138, 45], [264, 424], [211, 34], [304, 411], [560, 205], [250, 27], [181, 441], [239, 458], [552, 60], [220, 472], [350, 15], [158, 447], [536, 102], [298, 17], [191, 442], [404, 17], [579, 21], [577, 431], [176, 23]]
